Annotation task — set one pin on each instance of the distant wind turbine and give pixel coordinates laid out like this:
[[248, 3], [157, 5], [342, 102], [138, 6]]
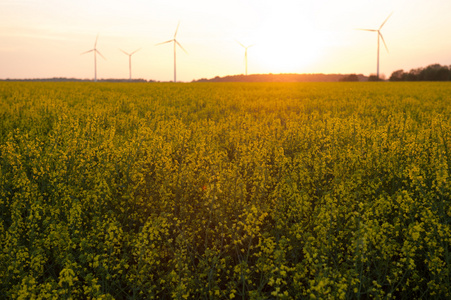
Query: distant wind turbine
[[245, 53], [379, 35], [175, 46], [130, 61], [95, 57]]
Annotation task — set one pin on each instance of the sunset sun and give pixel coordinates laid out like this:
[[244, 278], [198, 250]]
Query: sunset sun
[[286, 53], [287, 39]]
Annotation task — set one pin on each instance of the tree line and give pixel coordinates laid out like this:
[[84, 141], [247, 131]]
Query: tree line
[[286, 77], [435, 72]]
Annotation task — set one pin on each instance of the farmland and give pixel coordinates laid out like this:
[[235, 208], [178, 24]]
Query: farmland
[[225, 191]]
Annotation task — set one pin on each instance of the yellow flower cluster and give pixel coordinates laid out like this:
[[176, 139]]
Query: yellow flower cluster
[[225, 191]]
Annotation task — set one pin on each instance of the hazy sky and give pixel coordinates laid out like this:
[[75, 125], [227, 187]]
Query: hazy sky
[[41, 39]]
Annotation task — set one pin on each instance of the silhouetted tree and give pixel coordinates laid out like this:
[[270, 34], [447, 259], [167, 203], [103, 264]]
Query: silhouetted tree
[[319, 77], [397, 75], [373, 78], [415, 74], [350, 77], [434, 72], [444, 74]]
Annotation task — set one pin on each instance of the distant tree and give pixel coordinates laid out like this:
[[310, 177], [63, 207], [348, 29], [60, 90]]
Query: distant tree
[[397, 75], [350, 77], [373, 78], [444, 74], [435, 72], [414, 74]]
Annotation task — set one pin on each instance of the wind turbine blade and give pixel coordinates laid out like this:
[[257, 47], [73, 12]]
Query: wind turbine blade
[[250, 46], [170, 41], [372, 30], [100, 54], [95, 43], [386, 48], [177, 29], [135, 51], [241, 44], [124, 52], [87, 51], [181, 47], [385, 21]]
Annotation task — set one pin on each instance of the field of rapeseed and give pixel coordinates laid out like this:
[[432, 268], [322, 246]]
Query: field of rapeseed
[[225, 191]]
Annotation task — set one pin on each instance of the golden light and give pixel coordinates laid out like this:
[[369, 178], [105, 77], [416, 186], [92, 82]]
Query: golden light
[[285, 53], [288, 41]]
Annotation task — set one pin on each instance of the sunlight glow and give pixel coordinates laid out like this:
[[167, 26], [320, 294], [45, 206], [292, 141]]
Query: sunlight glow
[[42, 39], [287, 54]]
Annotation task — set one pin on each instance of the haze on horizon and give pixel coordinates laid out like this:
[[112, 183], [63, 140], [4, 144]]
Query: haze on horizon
[[44, 39]]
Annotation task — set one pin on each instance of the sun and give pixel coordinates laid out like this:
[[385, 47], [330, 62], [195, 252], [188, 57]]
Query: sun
[[288, 45], [287, 55]]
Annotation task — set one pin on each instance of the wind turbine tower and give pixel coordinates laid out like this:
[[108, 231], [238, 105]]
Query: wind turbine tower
[[174, 40], [245, 53], [379, 36], [95, 57], [130, 61]]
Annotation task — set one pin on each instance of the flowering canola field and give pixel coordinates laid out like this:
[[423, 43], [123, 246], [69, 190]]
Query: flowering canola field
[[225, 191]]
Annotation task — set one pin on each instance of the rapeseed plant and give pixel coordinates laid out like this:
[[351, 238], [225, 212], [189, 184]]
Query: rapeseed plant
[[225, 191]]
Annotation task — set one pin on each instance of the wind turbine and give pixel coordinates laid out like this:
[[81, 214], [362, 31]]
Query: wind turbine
[[245, 53], [95, 57], [379, 35], [175, 46], [130, 61]]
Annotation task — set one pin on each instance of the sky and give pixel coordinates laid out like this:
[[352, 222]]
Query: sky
[[44, 39]]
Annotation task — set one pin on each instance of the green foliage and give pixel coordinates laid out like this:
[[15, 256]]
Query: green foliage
[[224, 191], [350, 77], [433, 72]]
